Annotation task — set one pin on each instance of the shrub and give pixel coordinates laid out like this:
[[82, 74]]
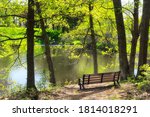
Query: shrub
[[145, 85], [143, 81]]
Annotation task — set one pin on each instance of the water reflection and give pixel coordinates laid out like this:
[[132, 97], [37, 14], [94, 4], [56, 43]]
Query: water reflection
[[68, 66], [4, 73]]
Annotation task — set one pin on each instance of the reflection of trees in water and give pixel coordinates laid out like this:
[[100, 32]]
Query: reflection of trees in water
[[108, 63], [4, 73], [67, 68], [105, 63], [63, 69]]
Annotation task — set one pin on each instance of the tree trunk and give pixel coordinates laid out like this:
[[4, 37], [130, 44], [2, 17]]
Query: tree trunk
[[144, 29], [30, 46], [47, 47], [135, 35], [124, 67], [94, 50]]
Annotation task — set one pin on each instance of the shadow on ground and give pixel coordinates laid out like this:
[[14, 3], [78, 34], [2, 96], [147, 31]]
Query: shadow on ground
[[91, 92]]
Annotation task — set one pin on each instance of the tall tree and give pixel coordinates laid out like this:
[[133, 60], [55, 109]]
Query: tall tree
[[144, 29], [135, 35], [30, 46], [124, 67], [94, 50], [47, 46]]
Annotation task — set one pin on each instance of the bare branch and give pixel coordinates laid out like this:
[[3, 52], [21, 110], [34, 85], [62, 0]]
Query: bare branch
[[128, 10], [18, 55]]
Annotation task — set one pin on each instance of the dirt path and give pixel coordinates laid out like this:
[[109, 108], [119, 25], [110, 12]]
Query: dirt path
[[96, 92], [103, 91]]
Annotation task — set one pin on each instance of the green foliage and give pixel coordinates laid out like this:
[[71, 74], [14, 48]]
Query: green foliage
[[71, 53], [11, 45], [102, 17], [13, 7], [143, 80], [145, 74], [145, 86], [54, 36], [13, 32], [43, 84], [106, 47], [77, 42]]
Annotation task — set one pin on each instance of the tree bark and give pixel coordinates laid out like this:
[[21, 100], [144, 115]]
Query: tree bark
[[47, 46], [144, 29], [124, 67], [94, 50], [135, 35], [30, 46]]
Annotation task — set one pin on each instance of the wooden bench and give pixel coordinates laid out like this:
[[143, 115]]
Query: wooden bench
[[99, 78]]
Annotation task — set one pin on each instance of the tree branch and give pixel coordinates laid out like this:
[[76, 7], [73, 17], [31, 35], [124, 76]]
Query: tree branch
[[10, 39], [13, 15]]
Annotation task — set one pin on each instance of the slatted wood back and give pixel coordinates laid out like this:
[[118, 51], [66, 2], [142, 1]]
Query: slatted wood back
[[91, 78], [107, 77], [101, 77]]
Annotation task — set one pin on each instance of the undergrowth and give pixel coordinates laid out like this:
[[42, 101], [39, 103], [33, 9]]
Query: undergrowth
[[143, 80]]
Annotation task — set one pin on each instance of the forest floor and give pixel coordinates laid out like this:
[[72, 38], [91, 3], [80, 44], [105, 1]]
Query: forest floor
[[104, 91]]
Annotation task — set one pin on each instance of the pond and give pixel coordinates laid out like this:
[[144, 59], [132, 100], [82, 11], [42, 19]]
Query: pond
[[69, 65]]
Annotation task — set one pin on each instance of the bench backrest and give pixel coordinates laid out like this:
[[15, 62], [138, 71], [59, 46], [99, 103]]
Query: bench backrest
[[91, 78], [107, 77], [101, 77]]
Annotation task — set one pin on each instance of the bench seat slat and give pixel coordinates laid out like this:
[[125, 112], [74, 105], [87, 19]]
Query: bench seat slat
[[93, 82]]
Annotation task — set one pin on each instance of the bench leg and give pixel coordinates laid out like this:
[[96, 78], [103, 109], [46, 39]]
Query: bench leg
[[80, 86], [114, 83], [83, 87], [118, 83]]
